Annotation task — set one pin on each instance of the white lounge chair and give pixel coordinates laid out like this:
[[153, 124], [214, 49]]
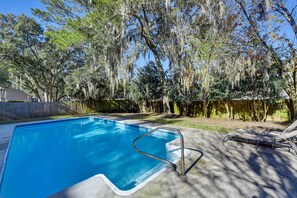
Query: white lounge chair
[[285, 139]]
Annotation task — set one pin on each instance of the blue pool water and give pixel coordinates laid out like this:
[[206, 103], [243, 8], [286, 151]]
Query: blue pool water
[[49, 157]]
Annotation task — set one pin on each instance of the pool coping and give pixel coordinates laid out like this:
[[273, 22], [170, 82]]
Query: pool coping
[[113, 187], [118, 191]]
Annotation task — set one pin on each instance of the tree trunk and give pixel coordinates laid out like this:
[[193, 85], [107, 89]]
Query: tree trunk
[[37, 95], [182, 108], [292, 106], [166, 106], [165, 97], [45, 97], [265, 110], [205, 108], [205, 104], [227, 109], [143, 106], [188, 111], [146, 35], [232, 112], [294, 103], [256, 111]]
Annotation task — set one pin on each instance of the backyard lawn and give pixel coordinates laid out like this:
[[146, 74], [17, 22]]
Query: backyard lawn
[[208, 124]]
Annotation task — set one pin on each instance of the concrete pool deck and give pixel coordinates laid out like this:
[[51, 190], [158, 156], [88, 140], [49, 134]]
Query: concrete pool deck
[[228, 169]]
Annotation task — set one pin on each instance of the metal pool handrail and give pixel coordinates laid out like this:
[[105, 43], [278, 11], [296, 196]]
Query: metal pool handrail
[[172, 165]]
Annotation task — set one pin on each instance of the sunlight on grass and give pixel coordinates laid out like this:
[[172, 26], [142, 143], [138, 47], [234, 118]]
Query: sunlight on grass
[[183, 122], [188, 124]]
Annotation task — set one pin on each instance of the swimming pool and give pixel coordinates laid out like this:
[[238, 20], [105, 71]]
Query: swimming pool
[[44, 158]]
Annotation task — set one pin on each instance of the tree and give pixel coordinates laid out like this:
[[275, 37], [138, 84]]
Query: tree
[[202, 44], [37, 65], [152, 31], [261, 84], [262, 19], [222, 90], [92, 85], [212, 46], [99, 28], [4, 75], [147, 86], [183, 88]]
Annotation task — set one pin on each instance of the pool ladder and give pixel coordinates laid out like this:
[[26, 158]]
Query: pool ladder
[[172, 165]]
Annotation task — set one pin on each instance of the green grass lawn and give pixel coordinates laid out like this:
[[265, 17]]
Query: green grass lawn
[[187, 123], [209, 124], [179, 121]]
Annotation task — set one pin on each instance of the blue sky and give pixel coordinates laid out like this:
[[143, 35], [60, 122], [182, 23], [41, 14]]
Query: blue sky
[[19, 6]]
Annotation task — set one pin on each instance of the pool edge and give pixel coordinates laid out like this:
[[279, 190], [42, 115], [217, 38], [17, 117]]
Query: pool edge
[[115, 189], [24, 124], [144, 182]]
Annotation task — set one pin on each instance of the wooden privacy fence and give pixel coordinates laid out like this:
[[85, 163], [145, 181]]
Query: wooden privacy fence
[[14, 111], [21, 110], [104, 106], [237, 109]]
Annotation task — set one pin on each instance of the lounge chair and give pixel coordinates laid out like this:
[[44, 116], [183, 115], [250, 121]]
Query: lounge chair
[[285, 139]]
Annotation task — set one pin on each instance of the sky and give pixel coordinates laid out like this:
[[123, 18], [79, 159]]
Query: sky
[[19, 6]]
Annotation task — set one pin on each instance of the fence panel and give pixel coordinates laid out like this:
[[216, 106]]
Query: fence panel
[[14, 111], [241, 109]]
